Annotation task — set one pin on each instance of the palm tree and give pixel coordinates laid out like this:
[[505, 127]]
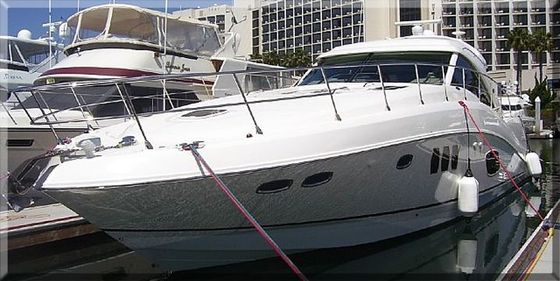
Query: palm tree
[[541, 42], [518, 39]]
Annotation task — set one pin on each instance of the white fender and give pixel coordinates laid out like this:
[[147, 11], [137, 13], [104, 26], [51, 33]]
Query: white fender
[[466, 255], [533, 163], [468, 195]]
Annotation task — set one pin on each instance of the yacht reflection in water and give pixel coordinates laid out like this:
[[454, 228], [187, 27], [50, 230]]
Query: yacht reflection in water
[[474, 249]]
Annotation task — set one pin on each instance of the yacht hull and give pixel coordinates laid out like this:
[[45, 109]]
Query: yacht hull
[[372, 195]]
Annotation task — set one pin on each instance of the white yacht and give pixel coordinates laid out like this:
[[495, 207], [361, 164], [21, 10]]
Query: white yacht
[[118, 40], [371, 144], [122, 41], [22, 60], [515, 106]]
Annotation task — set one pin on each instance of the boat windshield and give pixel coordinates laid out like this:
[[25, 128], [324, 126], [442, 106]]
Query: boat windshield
[[395, 67], [25, 52], [105, 101], [514, 107], [129, 24]]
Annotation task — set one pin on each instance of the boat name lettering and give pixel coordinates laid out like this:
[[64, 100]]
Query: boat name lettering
[[12, 76], [181, 68]]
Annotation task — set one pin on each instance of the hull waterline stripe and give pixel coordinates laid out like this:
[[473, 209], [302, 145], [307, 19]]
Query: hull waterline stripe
[[522, 181]]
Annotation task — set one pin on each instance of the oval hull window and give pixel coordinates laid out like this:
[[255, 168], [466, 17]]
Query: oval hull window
[[274, 186], [317, 179], [405, 161], [492, 164]]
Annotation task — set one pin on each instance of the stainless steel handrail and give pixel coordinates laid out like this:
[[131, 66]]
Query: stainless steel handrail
[[445, 82]]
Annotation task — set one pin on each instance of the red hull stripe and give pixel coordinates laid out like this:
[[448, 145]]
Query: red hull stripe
[[116, 72]]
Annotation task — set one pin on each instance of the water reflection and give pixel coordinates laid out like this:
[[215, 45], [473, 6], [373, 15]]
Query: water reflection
[[466, 249]]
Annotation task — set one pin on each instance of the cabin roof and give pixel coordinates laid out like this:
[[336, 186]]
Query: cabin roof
[[141, 10], [413, 44]]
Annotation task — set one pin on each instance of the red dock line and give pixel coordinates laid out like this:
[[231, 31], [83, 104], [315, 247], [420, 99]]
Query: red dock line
[[246, 213], [502, 166]]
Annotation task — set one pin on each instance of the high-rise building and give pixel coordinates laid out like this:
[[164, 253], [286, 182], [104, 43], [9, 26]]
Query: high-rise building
[[486, 24], [318, 26]]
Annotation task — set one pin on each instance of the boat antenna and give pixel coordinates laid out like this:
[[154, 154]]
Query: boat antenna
[[78, 6], [50, 33], [163, 69], [234, 21]]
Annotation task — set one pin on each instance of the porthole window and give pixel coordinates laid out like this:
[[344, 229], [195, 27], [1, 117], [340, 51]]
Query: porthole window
[[405, 161], [445, 159], [492, 164], [274, 186], [454, 157], [434, 163], [317, 179]]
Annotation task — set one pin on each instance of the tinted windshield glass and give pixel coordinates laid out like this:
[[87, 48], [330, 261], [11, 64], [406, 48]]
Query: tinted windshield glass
[[105, 101], [395, 67]]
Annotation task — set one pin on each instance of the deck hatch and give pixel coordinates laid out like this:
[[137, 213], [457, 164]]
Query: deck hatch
[[204, 113]]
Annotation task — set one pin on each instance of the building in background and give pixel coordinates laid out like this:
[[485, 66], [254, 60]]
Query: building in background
[[318, 26], [228, 19], [486, 24]]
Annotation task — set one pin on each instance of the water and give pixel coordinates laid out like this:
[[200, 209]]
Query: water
[[466, 249]]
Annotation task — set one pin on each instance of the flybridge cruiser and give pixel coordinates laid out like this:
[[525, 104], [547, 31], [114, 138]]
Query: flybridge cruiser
[[371, 144], [22, 60], [116, 40]]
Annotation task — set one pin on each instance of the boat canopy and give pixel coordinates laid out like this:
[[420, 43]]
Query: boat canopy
[[24, 51], [126, 23]]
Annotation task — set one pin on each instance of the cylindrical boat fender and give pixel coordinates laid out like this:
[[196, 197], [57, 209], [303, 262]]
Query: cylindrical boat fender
[[466, 255], [467, 195], [536, 202], [534, 164]]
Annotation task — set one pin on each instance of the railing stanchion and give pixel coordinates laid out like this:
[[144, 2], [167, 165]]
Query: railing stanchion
[[47, 106], [383, 87], [336, 115], [146, 141], [418, 82], [9, 114], [464, 85], [44, 114], [479, 86], [81, 107], [124, 100], [257, 128], [443, 82], [24, 108], [166, 94]]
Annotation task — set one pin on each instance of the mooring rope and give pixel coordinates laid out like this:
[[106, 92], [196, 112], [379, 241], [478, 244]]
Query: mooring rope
[[244, 212], [502, 166]]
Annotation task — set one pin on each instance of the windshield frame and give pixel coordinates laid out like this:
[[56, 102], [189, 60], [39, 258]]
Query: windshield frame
[[374, 61]]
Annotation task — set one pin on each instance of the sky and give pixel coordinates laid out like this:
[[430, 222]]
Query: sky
[[31, 14]]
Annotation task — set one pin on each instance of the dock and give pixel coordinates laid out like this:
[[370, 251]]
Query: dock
[[41, 224], [539, 258]]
